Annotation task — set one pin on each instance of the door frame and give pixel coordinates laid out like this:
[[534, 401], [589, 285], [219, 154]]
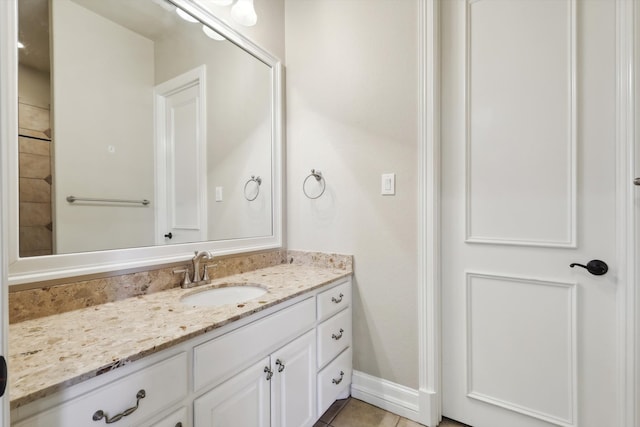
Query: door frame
[[429, 227]]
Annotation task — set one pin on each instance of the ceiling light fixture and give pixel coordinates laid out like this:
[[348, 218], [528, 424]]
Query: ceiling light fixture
[[243, 13]]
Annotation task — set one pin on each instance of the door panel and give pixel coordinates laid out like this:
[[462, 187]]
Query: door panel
[[506, 44], [294, 383], [528, 115], [244, 400]]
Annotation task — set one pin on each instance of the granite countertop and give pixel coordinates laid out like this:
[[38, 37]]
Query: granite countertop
[[54, 352]]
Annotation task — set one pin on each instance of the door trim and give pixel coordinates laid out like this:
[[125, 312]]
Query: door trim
[[429, 302], [628, 302], [429, 284]]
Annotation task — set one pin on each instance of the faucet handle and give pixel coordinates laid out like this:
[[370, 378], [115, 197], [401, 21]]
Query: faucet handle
[[206, 271], [186, 281]]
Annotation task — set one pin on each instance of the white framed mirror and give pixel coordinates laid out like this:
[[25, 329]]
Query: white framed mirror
[[162, 139]]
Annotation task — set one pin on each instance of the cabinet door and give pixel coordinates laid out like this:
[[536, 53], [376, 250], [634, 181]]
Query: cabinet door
[[294, 383], [243, 400], [176, 419]]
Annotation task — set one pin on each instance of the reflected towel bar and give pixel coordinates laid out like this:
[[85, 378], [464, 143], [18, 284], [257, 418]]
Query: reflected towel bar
[[72, 199]]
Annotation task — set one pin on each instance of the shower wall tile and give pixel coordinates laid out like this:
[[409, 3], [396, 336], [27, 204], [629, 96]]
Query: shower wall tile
[[35, 190], [34, 166], [34, 146], [33, 117], [35, 214], [35, 239]]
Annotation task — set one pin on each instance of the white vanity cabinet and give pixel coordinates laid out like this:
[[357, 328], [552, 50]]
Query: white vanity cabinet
[[282, 367], [276, 391], [334, 345], [142, 395], [177, 419]]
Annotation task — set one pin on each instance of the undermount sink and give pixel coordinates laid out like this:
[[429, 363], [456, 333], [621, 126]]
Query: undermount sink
[[230, 294]]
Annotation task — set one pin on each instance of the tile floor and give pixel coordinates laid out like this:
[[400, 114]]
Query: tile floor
[[356, 413]]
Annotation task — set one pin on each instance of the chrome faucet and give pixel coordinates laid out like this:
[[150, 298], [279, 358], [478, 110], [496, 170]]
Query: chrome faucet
[[199, 256]]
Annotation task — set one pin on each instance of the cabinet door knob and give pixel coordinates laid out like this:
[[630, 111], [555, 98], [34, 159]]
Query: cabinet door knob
[[269, 372], [280, 365], [337, 336], [338, 380]]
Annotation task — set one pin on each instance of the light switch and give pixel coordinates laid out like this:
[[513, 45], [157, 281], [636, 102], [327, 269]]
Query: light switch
[[218, 194], [388, 184]]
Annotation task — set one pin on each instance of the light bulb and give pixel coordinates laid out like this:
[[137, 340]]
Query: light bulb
[[184, 15], [212, 34], [244, 13]]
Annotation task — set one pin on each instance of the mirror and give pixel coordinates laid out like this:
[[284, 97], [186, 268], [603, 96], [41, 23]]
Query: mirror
[[147, 130]]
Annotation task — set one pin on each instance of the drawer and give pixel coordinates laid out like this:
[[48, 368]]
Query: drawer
[[333, 380], [164, 383], [176, 419], [220, 358], [334, 335], [334, 300]]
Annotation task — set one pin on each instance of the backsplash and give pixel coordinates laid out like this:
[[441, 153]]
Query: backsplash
[[40, 302]]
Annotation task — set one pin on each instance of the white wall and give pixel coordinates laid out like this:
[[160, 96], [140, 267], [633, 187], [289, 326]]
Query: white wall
[[352, 110], [103, 97]]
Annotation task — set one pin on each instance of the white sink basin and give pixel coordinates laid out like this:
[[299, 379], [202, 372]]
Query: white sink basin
[[225, 295]]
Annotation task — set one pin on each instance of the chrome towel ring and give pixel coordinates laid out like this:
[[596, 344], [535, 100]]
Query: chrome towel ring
[[258, 181], [319, 178]]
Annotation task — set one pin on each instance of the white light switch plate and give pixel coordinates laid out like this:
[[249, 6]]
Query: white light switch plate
[[388, 184]]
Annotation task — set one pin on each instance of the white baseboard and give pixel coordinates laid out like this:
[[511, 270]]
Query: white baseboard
[[389, 396]]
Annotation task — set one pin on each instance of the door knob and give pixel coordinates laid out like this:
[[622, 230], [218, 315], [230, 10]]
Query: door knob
[[595, 267], [169, 235]]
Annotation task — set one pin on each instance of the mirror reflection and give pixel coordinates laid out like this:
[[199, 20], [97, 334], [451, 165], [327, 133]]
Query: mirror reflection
[[138, 127]]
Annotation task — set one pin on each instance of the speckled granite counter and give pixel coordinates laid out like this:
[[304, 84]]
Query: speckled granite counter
[[50, 353]]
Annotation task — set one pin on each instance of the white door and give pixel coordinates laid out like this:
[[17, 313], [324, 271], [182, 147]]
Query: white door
[[294, 383], [242, 401], [181, 159], [528, 152]]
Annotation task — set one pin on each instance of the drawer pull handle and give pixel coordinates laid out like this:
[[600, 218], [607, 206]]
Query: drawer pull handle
[[337, 337], [99, 414], [269, 372], [339, 380], [280, 365], [337, 300]]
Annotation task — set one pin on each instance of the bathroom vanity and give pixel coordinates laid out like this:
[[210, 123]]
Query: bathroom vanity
[[280, 359]]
